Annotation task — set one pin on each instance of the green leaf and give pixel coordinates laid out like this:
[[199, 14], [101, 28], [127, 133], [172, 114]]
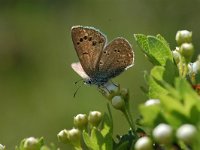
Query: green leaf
[[142, 41], [171, 72], [107, 132], [107, 125], [154, 88], [156, 48], [173, 110], [95, 140], [151, 115], [159, 50], [160, 77], [100, 139], [108, 142], [190, 98], [162, 39]]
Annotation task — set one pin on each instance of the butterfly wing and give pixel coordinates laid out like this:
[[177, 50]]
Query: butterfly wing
[[79, 70], [116, 57], [88, 43]]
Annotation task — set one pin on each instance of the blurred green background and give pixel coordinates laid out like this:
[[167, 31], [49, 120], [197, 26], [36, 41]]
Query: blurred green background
[[36, 80]]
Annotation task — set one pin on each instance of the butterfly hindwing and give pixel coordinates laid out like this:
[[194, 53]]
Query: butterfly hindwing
[[117, 56]]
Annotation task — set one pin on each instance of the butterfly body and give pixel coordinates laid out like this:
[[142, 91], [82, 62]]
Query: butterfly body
[[99, 61]]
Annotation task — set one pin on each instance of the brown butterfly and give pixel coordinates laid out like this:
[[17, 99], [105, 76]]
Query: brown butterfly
[[99, 61]]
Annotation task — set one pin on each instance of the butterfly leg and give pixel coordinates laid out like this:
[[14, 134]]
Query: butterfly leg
[[104, 90], [114, 83]]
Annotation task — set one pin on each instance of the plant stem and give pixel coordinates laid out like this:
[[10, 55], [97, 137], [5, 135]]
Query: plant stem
[[129, 119]]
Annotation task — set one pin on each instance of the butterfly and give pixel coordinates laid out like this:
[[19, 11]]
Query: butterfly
[[99, 61]]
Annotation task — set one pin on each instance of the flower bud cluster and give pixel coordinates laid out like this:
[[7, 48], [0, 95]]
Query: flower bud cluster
[[81, 122], [163, 134], [185, 47]]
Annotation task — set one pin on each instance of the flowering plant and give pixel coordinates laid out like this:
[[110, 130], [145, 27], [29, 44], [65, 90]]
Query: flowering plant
[[170, 118]]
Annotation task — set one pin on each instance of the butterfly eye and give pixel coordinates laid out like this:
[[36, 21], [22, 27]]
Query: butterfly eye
[[118, 51], [77, 43], [115, 50], [81, 39]]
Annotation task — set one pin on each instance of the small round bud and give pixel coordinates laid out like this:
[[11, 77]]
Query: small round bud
[[80, 121], [2, 147], [144, 143], [75, 137], [183, 36], [63, 136], [152, 102], [118, 102], [176, 56], [124, 93], [187, 50], [187, 133], [31, 143], [163, 134], [94, 118]]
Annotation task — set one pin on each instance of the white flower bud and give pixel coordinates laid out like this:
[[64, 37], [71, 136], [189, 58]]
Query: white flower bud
[[183, 36], [80, 121], [187, 50], [95, 118], [74, 134], [152, 102], [163, 134], [144, 143], [118, 102], [63, 136], [31, 143], [187, 133], [124, 93]]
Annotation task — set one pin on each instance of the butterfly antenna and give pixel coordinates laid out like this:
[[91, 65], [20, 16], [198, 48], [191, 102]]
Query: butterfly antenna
[[78, 81], [78, 88]]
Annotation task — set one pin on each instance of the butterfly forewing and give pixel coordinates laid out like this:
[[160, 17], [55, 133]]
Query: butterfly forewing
[[89, 44], [117, 56]]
